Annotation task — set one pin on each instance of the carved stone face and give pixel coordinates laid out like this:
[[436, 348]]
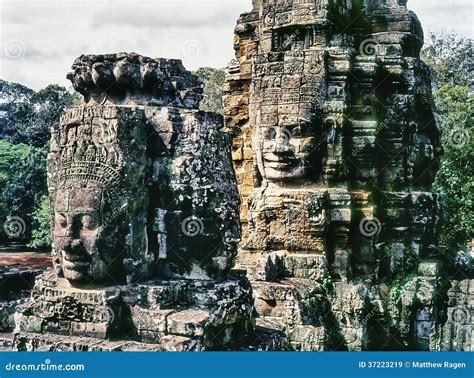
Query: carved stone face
[[287, 153], [88, 253], [286, 111]]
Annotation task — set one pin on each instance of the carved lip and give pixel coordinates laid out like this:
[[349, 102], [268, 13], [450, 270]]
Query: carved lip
[[75, 261], [277, 162]]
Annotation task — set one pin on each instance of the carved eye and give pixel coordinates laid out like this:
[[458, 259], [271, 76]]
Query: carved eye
[[89, 222], [61, 220]]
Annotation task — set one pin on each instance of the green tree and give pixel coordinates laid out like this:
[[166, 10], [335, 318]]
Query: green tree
[[454, 180], [24, 192], [28, 115], [9, 155], [41, 230], [213, 80], [450, 57]]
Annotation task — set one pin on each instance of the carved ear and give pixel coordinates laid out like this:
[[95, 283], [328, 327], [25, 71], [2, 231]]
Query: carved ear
[[57, 262], [257, 176]]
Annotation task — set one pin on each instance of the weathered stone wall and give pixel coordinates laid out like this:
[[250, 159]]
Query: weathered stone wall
[[336, 145]]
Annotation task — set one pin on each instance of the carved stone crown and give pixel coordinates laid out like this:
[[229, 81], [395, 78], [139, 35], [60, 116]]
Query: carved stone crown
[[132, 79]]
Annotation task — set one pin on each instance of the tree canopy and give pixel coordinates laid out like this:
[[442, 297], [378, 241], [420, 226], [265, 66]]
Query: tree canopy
[[449, 56]]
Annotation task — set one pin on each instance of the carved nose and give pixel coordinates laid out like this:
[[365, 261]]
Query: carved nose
[[281, 145]]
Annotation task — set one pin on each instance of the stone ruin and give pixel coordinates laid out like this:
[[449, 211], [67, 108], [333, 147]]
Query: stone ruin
[[145, 218], [335, 145]]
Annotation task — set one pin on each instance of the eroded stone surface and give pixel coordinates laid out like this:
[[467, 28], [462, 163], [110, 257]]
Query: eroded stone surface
[[335, 145]]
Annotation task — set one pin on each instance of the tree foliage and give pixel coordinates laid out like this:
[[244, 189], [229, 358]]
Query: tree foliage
[[27, 116], [213, 80], [449, 56], [9, 155], [27, 185], [454, 180], [41, 230]]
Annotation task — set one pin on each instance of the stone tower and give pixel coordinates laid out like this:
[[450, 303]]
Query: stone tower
[[336, 145]]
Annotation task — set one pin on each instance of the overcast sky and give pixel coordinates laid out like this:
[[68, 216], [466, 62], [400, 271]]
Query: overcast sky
[[40, 39]]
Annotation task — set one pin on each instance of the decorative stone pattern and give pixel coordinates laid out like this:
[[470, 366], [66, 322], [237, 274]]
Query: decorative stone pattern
[[97, 169], [336, 145], [132, 79], [15, 286], [457, 333], [138, 188], [180, 315]]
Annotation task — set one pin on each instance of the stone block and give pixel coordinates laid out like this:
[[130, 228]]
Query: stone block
[[189, 323], [429, 268], [145, 319]]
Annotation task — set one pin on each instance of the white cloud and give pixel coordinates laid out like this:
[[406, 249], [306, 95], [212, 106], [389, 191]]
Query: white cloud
[[446, 15], [54, 32]]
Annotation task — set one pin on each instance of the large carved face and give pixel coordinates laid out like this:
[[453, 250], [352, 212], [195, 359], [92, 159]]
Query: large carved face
[[88, 248], [287, 153], [286, 112]]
